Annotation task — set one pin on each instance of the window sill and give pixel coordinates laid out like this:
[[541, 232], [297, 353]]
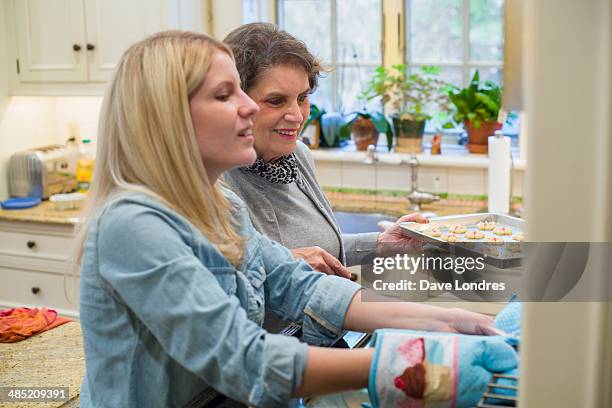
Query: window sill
[[452, 156]]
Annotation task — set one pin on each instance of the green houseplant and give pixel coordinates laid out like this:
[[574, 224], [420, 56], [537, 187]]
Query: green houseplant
[[365, 126], [413, 98], [477, 107]]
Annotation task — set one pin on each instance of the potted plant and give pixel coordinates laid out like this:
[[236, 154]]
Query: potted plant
[[365, 127], [311, 132], [477, 108], [413, 97]]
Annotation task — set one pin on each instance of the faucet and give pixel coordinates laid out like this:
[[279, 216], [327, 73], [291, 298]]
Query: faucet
[[415, 196], [371, 156]]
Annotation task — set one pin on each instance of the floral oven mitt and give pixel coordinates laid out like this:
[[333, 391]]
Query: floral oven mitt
[[413, 369]]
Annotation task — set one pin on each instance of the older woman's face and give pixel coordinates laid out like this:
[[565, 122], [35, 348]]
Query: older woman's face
[[282, 97]]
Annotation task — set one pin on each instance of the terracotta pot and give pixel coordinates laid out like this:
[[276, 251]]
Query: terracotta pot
[[364, 133], [478, 139], [409, 135]]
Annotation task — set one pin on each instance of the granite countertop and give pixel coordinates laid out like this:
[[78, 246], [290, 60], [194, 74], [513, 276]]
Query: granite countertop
[[53, 358], [399, 205], [341, 201], [44, 212]]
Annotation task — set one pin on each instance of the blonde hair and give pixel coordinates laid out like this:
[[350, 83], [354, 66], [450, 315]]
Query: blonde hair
[[147, 142]]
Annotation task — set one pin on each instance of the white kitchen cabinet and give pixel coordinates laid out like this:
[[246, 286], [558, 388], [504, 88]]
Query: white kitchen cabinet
[[34, 266], [81, 40], [51, 40]]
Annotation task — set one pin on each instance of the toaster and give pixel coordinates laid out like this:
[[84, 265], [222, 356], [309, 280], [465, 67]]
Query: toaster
[[43, 171]]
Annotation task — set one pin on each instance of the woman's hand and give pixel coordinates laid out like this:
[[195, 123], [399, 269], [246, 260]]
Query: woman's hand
[[322, 261], [392, 240], [457, 320]]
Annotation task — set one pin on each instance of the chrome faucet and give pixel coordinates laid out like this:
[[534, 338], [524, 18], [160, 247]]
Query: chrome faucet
[[371, 156], [415, 196]]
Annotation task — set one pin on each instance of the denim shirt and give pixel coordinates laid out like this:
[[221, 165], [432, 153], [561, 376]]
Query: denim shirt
[[165, 315]]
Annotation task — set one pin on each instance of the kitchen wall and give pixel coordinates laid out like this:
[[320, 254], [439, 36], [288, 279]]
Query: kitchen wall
[[37, 121], [3, 64]]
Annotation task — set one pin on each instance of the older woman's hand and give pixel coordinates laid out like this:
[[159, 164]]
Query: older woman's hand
[[321, 260], [393, 240]]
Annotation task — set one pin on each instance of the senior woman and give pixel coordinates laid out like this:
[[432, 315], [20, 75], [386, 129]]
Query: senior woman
[[285, 200]]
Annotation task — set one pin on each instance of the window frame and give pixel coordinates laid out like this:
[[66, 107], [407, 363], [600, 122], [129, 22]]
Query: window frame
[[335, 65], [466, 64]]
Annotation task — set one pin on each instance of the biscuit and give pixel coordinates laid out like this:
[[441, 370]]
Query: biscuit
[[485, 225], [502, 231], [450, 238], [457, 229], [474, 235]]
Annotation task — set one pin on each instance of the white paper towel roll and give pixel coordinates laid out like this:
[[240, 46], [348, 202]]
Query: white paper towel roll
[[499, 174]]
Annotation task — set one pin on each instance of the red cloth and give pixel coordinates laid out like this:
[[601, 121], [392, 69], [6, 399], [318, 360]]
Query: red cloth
[[20, 323]]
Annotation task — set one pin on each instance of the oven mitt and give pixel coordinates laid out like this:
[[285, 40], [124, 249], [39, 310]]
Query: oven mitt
[[509, 320], [414, 369]]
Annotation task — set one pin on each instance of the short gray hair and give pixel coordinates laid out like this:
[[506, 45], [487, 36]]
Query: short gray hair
[[257, 47]]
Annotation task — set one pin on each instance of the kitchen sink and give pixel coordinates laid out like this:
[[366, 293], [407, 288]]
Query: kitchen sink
[[355, 222]]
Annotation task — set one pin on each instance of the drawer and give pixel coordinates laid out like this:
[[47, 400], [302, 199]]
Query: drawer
[[37, 289], [36, 245]]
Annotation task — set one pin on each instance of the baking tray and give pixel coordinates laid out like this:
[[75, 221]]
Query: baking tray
[[507, 254]]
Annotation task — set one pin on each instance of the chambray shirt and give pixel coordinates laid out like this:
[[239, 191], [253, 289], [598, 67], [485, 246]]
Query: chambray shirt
[[164, 314]]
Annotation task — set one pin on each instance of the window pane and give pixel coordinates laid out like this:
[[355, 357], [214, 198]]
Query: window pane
[[249, 11], [486, 30], [309, 21], [488, 74], [452, 75], [435, 30], [351, 82], [323, 95], [358, 37]]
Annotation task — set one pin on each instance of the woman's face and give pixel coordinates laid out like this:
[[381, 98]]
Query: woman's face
[[222, 118], [282, 97]]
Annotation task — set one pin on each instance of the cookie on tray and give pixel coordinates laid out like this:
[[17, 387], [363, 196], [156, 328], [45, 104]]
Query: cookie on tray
[[450, 238], [485, 225], [435, 232], [495, 240], [502, 231], [474, 234], [518, 237], [458, 229]]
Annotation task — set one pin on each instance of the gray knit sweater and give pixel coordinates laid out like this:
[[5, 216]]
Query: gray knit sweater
[[271, 212]]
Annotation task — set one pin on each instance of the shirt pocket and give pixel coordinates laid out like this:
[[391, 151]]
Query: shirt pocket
[[226, 277], [256, 272]]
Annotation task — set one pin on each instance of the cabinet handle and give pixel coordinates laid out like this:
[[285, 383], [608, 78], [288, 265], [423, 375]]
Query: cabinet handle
[[35, 290], [76, 47], [90, 47], [31, 244]]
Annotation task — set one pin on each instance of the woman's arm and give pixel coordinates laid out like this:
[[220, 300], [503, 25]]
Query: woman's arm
[[330, 370], [379, 312]]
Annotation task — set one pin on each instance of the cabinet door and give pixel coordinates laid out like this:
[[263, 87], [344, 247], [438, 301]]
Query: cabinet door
[[113, 25], [51, 40]]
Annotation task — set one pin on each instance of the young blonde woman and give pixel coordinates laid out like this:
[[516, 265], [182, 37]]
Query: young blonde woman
[[174, 278]]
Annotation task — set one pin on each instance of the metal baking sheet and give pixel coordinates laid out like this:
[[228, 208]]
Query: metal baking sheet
[[507, 254]]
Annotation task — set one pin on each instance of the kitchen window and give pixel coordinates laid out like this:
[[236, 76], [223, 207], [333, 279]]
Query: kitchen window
[[337, 32], [458, 36]]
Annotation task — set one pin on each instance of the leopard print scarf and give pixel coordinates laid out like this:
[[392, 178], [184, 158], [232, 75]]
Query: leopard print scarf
[[280, 171]]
